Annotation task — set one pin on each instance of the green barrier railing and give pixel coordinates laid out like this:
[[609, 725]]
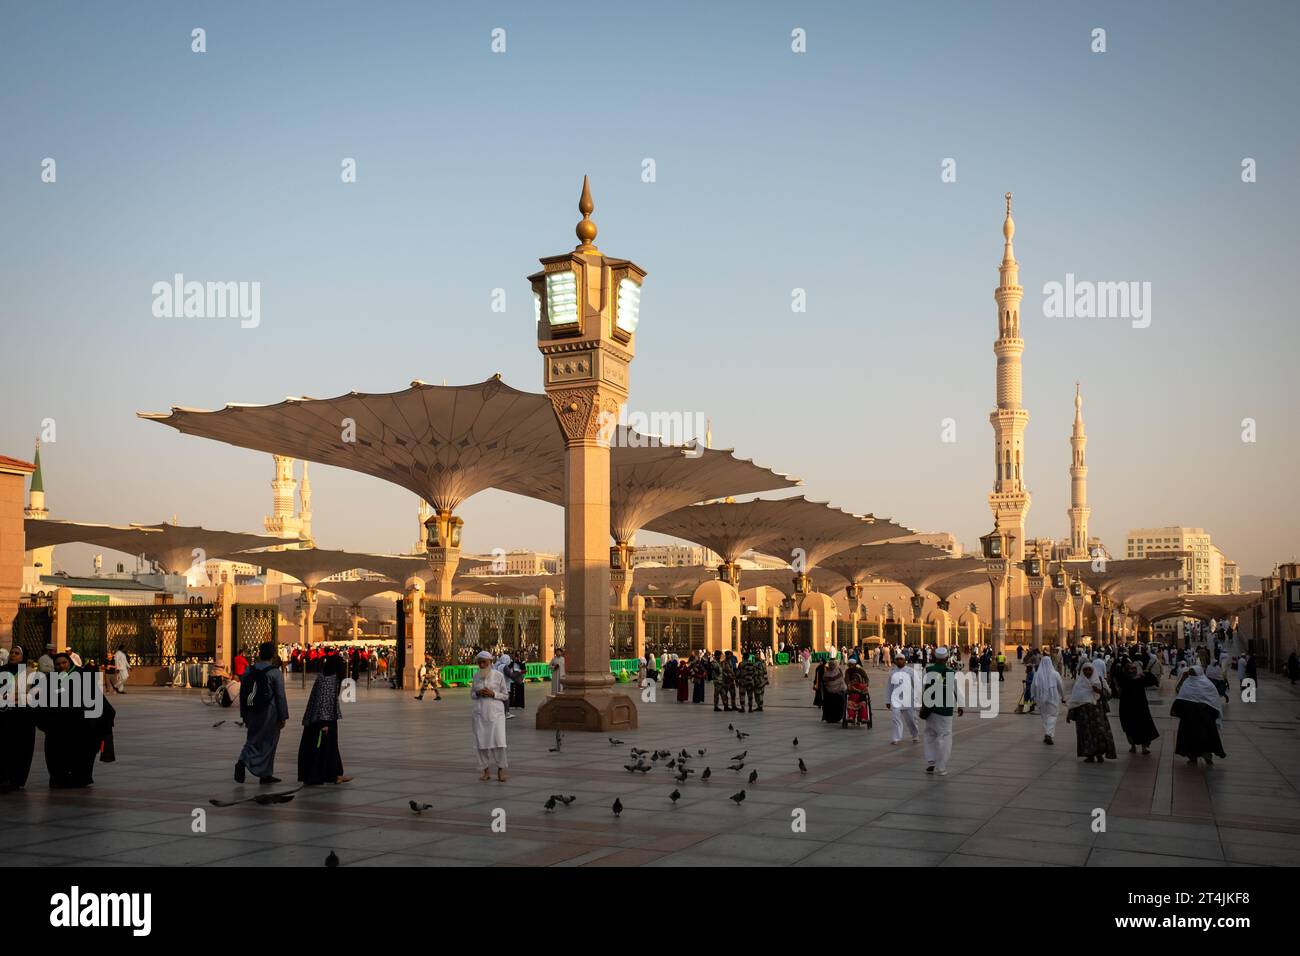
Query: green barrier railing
[[537, 671], [783, 658], [821, 656], [628, 664], [455, 675]]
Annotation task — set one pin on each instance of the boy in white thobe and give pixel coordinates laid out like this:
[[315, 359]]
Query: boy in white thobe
[[488, 691], [904, 691]]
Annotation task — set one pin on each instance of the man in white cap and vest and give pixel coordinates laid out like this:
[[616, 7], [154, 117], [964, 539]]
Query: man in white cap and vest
[[904, 697], [938, 700]]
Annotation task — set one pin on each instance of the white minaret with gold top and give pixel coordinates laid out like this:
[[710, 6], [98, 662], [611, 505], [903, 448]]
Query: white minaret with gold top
[[1009, 500], [1079, 509]]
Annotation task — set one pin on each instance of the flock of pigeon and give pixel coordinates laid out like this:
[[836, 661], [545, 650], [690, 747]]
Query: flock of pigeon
[[676, 764]]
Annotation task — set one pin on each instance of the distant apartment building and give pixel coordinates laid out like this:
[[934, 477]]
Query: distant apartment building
[[1205, 568], [937, 539], [672, 556], [518, 562]]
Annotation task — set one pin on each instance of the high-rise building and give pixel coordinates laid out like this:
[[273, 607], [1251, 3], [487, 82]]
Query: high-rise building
[[1203, 563]]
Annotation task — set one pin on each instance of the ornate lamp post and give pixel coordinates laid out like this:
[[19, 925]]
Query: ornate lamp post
[[587, 306], [852, 593], [997, 546], [1034, 573], [1076, 598], [620, 571], [443, 552]]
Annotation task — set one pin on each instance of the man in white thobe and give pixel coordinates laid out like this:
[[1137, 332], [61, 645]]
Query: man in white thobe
[[904, 696], [557, 674], [488, 691], [123, 670], [1048, 691]]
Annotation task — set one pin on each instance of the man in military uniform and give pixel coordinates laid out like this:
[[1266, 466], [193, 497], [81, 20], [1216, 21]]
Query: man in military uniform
[[729, 678], [715, 673], [746, 678], [757, 683]]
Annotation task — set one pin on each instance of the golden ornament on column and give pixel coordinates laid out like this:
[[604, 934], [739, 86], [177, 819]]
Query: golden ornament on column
[[587, 305]]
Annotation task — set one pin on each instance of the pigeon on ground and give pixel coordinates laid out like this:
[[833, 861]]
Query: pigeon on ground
[[566, 800], [672, 764], [753, 777], [802, 766], [708, 772], [639, 753], [218, 723], [266, 799], [738, 797], [420, 807], [643, 768], [729, 727], [332, 859], [630, 768], [618, 806], [741, 756], [741, 735], [615, 743], [701, 752], [675, 796], [681, 778], [796, 741], [737, 767], [550, 805]]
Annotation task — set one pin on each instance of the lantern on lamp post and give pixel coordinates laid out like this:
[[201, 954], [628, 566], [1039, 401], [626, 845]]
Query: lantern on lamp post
[[997, 545]]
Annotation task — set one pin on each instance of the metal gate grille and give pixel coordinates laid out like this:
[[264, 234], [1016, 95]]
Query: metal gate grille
[[794, 633], [673, 632], [557, 627], [254, 625], [622, 635], [455, 632], [33, 629]]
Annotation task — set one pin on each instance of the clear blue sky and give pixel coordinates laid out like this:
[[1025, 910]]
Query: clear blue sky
[[775, 171]]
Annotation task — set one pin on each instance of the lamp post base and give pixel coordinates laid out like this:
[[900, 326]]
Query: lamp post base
[[598, 712]]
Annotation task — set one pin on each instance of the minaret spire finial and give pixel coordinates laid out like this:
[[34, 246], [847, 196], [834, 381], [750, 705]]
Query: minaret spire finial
[[586, 229]]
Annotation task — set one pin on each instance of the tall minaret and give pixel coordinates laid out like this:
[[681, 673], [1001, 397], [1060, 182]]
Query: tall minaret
[[1079, 509], [281, 521], [40, 560], [1009, 500], [304, 512]]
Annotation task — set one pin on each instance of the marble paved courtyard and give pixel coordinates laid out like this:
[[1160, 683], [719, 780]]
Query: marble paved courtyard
[[1008, 799]]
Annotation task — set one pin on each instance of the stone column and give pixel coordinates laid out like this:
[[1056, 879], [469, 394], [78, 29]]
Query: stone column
[[309, 597], [226, 634], [998, 584], [772, 615], [59, 632], [1036, 611], [1059, 597], [620, 579], [414, 636], [589, 701], [546, 604], [712, 633], [638, 625]]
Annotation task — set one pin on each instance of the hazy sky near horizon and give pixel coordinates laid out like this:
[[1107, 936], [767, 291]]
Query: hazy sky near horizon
[[774, 171]]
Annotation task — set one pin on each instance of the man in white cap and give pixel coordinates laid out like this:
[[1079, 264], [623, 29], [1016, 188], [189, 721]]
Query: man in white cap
[[488, 691], [45, 663], [938, 699], [904, 697]]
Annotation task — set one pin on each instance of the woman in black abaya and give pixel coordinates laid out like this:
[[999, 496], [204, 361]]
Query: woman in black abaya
[[319, 760], [1134, 711]]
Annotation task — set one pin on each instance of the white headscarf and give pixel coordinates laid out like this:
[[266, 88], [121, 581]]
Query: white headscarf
[[1099, 669], [1214, 671], [1197, 689], [1047, 682], [1085, 687]]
